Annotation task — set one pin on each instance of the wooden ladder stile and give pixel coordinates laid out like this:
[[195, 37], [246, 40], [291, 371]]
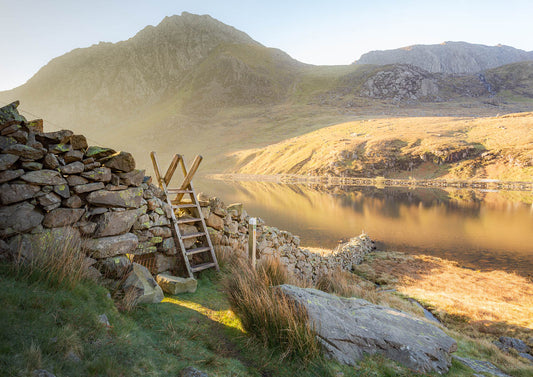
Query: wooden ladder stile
[[178, 203]]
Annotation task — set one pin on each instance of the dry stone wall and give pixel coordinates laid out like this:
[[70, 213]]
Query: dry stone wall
[[53, 184]]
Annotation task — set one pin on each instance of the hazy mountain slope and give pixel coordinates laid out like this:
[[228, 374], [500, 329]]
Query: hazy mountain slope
[[495, 147], [449, 57]]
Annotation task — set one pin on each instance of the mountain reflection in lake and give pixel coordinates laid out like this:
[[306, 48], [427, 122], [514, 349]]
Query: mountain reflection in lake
[[481, 230]]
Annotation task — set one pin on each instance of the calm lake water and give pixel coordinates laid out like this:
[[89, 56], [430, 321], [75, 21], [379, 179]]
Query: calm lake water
[[480, 230]]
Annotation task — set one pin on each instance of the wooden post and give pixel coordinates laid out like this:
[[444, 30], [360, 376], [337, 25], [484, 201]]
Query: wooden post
[[252, 227]]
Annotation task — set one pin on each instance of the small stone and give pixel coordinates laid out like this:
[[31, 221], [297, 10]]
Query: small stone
[[42, 373], [80, 189], [72, 168], [94, 165], [122, 161], [168, 246], [115, 267], [6, 141], [145, 247], [62, 217], [98, 174], [73, 156], [62, 190], [51, 161], [78, 142], [73, 202], [35, 125], [99, 152], [141, 282], [49, 199], [192, 372], [75, 180], [160, 231], [87, 228], [44, 177], [59, 148], [215, 221], [20, 136], [132, 178], [98, 211], [32, 166], [7, 160]]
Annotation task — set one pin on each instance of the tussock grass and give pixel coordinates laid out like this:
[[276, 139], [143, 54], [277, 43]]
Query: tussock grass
[[266, 313], [57, 261]]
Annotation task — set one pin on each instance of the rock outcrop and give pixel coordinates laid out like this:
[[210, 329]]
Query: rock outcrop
[[349, 328]]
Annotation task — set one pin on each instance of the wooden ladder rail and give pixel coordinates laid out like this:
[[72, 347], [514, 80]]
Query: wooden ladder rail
[[185, 188]]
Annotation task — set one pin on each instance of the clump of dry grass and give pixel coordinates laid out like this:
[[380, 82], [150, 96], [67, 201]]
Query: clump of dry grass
[[273, 272], [58, 261], [265, 312]]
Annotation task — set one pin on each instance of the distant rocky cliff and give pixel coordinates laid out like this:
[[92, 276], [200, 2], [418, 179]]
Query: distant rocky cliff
[[449, 57]]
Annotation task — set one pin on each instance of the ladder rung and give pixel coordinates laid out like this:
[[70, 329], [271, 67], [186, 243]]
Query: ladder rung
[[188, 205], [198, 250], [188, 220], [178, 191], [192, 235], [202, 266]]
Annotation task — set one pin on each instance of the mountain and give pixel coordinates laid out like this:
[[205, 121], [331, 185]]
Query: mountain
[[449, 57], [193, 85]]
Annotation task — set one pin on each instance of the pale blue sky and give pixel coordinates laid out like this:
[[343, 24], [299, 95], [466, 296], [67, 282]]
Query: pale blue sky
[[32, 32]]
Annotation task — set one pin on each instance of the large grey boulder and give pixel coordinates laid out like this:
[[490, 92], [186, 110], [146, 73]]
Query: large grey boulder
[[142, 286], [130, 198], [174, 285], [106, 247], [349, 328]]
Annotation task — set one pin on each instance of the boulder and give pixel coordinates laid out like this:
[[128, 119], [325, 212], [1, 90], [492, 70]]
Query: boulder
[[44, 177], [18, 218], [214, 221], [174, 285], [106, 247], [113, 223], [62, 217], [7, 160], [17, 192], [130, 198], [122, 161], [141, 284], [349, 328], [505, 343], [25, 152]]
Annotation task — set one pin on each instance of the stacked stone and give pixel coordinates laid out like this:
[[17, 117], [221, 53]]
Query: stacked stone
[[54, 183], [228, 228]]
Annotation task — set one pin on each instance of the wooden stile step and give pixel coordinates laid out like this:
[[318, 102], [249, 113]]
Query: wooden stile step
[[203, 266], [178, 191], [187, 205], [192, 235], [198, 250], [189, 220]]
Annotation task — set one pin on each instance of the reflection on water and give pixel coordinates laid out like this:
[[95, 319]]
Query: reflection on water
[[479, 230]]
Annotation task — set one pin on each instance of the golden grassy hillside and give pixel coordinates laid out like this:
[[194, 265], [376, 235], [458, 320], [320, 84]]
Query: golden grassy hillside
[[498, 147]]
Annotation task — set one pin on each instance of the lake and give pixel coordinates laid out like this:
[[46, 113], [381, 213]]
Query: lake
[[479, 230]]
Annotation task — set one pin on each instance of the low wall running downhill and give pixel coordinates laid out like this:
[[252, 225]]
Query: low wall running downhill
[[53, 184]]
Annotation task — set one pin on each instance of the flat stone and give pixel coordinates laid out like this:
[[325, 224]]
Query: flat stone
[[72, 156], [18, 218], [78, 142], [142, 285], [72, 168], [20, 136], [130, 198], [9, 175], [51, 207], [113, 223], [25, 151], [32, 165], [132, 178], [98, 211], [99, 152], [75, 180], [106, 247], [349, 328], [122, 161], [7, 160], [61, 217], [73, 202], [35, 125], [51, 161], [62, 190], [44, 177], [174, 285], [17, 192], [89, 187], [56, 137], [49, 199], [481, 366], [98, 174], [11, 129], [59, 148]]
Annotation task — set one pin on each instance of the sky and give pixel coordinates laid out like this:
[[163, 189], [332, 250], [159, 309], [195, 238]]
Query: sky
[[32, 32]]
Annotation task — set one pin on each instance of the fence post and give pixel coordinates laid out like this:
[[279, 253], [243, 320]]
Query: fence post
[[252, 227]]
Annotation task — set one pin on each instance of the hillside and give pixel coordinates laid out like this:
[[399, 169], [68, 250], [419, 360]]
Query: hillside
[[194, 85], [449, 57], [493, 147]]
